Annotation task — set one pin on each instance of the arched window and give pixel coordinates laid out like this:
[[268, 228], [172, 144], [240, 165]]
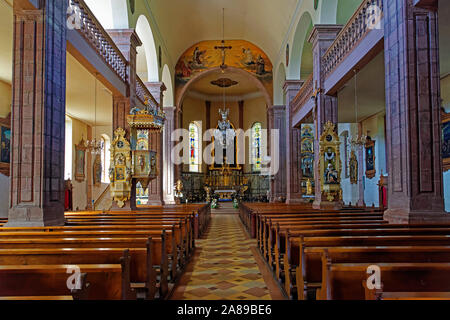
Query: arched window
[[256, 147], [106, 158], [194, 147]]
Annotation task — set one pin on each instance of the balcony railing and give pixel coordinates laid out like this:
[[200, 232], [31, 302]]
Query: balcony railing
[[143, 94], [85, 22], [369, 13], [303, 95]]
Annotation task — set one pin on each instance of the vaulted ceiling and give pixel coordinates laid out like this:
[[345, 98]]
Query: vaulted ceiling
[[184, 23]]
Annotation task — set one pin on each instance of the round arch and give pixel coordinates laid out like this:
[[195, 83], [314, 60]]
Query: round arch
[[112, 14], [182, 93], [167, 80], [302, 31], [280, 79], [147, 58]]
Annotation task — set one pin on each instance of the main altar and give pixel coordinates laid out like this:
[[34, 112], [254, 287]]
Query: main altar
[[225, 178]]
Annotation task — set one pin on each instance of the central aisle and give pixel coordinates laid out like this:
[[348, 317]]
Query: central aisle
[[226, 265]]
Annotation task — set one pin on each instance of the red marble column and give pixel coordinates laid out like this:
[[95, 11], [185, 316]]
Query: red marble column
[[322, 36], [277, 121], [155, 191], [38, 114], [293, 170], [412, 112]]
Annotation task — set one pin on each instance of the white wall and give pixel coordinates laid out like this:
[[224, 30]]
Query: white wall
[[375, 127], [350, 192]]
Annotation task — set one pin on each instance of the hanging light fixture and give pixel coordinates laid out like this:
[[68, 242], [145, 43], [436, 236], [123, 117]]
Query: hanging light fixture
[[94, 146], [357, 141]]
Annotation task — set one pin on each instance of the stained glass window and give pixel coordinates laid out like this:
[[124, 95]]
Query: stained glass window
[[194, 149], [256, 146]]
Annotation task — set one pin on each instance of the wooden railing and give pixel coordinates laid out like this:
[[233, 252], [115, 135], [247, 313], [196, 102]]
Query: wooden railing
[[89, 27], [143, 94], [303, 95], [356, 28]]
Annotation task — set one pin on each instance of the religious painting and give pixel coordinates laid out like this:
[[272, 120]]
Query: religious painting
[[119, 174], [80, 161], [5, 144], [5, 140], [307, 152], [239, 54], [330, 164], [446, 141], [353, 166], [370, 158], [97, 170], [141, 163]]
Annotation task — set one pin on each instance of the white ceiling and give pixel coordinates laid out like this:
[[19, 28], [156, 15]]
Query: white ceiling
[[186, 22]]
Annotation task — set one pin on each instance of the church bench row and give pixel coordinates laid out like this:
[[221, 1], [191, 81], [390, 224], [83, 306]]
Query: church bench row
[[251, 217], [158, 254], [302, 273], [137, 265], [310, 273], [183, 234], [98, 281], [164, 244], [345, 281]]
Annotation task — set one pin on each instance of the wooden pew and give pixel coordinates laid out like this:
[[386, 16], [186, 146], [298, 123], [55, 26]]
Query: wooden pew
[[344, 281], [51, 280], [159, 255], [308, 265], [314, 257], [293, 242], [139, 269]]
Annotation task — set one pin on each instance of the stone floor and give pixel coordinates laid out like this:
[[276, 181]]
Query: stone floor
[[227, 265]]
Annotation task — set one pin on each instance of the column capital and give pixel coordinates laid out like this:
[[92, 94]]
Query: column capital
[[125, 40], [324, 32], [157, 90], [292, 85]]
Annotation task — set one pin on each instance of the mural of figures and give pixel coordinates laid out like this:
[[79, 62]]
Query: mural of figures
[[5, 144], [206, 55]]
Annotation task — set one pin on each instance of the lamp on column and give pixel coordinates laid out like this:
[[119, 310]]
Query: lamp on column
[[357, 141], [94, 146]]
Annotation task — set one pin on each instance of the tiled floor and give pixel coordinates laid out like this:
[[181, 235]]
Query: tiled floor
[[226, 266]]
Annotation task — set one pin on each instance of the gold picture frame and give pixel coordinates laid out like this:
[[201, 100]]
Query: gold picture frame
[[80, 161]]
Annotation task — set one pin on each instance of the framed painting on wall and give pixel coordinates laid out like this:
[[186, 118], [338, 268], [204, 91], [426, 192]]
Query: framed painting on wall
[[80, 160], [97, 171], [5, 145], [370, 158], [446, 141]]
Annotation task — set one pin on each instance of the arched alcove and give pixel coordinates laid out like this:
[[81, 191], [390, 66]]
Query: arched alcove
[[302, 32], [147, 58]]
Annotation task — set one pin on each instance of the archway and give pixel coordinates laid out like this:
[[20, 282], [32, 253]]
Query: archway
[[167, 80], [147, 59], [302, 32], [112, 14]]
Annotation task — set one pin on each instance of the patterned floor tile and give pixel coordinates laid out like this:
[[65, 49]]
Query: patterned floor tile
[[225, 268]]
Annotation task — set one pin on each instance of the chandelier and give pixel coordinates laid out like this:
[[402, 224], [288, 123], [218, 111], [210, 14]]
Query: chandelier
[[357, 141], [93, 146]]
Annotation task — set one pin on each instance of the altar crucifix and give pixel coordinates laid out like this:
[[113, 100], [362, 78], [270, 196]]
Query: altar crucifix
[[223, 48]]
